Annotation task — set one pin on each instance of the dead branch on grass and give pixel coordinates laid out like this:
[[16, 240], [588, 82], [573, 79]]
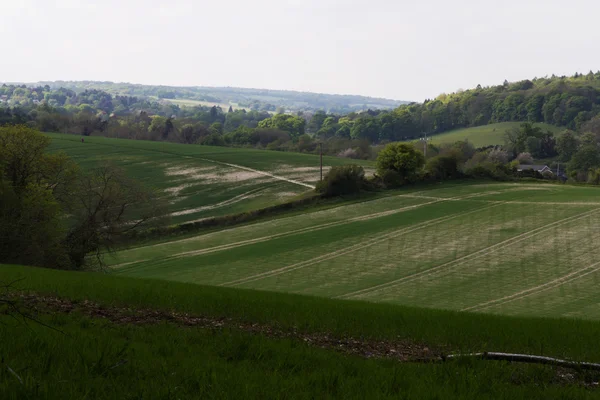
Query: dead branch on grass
[[526, 358]]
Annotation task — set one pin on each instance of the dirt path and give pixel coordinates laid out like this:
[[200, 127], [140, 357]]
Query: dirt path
[[401, 350]]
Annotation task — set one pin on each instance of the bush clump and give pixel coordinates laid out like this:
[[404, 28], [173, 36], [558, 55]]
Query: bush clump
[[399, 163], [342, 180]]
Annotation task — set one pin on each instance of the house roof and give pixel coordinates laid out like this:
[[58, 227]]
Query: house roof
[[532, 166]]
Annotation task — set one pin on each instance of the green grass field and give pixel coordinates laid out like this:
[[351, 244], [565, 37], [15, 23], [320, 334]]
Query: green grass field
[[485, 135], [82, 356], [504, 248], [192, 103], [204, 181]]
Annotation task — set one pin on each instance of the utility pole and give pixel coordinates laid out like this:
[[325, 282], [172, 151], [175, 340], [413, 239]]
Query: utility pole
[[321, 157], [424, 140]]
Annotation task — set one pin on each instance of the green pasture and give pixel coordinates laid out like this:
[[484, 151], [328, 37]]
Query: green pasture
[[485, 135], [505, 248], [77, 356], [203, 181]]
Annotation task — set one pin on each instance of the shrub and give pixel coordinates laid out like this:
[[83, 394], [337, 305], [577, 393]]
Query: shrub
[[341, 180], [525, 158], [443, 167], [349, 153], [498, 156], [480, 166]]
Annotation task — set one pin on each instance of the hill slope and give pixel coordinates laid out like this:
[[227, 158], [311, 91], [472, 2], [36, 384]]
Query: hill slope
[[242, 97], [495, 248], [485, 135], [204, 181]]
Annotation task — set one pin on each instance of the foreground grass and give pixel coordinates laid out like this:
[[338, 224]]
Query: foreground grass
[[570, 338], [93, 358], [102, 360]]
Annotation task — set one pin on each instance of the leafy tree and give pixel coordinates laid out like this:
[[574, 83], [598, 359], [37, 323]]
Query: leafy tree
[[316, 122], [53, 215], [586, 158], [289, 123], [566, 145], [342, 180], [400, 163], [32, 184], [106, 206], [443, 167], [524, 158], [216, 129]]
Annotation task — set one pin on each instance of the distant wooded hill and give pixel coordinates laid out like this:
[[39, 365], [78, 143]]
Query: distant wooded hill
[[254, 99]]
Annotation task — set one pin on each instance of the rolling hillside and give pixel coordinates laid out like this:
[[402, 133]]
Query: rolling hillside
[[485, 135], [518, 249], [204, 181]]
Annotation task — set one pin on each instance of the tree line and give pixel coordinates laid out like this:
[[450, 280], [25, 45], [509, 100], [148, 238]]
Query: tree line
[[571, 102]]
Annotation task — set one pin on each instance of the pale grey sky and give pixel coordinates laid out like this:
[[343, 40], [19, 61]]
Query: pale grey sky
[[408, 50]]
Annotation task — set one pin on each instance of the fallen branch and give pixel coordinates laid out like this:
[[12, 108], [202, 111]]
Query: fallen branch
[[526, 358]]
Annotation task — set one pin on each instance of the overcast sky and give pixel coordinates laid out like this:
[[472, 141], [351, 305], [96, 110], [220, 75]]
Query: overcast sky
[[407, 50]]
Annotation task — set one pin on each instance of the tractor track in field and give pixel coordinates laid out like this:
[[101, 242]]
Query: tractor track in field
[[32, 304], [228, 246], [359, 246], [228, 202], [309, 229], [479, 253], [299, 231], [432, 200], [580, 273]]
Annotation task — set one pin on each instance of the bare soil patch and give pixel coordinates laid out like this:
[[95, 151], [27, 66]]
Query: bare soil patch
[[401, 350]]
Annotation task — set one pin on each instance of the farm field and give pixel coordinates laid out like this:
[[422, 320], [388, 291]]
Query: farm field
[[485, 135], [192, 103], [204, 181], [503, 248]]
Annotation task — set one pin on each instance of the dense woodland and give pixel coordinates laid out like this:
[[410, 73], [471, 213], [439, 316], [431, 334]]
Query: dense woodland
[[563, 101]]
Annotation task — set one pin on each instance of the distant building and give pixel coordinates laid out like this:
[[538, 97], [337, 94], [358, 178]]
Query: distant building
[[539, 168]]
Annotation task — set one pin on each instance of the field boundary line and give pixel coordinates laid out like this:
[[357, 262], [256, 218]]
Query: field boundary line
[[350, 249], [536, 289], [468, 257]]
